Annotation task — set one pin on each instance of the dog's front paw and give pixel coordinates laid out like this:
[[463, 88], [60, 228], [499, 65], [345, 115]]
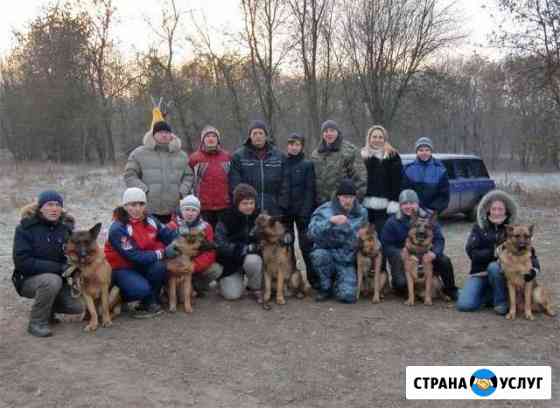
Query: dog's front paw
[[280, 301], [172, 309], [510, 316], [107, 323], [409, 302], [376, 299], [90, 327], [428, 302], [529, 316], [188, 309]]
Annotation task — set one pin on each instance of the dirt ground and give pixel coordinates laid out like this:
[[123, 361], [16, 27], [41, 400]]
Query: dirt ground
[[234, 354]]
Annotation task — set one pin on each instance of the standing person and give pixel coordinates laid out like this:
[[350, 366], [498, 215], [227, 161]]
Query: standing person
[[334, 231], [334, 160], [205, 267], [428, 177], [237, 246], [135, 249], [487, 283], [298, 198], [160, 168], [384, 175], [259, 164], [393, 238], [210, 164], [39, 261]]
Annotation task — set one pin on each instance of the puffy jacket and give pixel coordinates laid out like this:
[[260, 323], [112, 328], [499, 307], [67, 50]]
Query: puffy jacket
[[204, 259], [342, 239], [384, 177], [335, 162], [264, 175], [299, 188], [233, 233], [133, 243], [485, 236], [429, 179], [39, 245], [395, 232], [211, 183], [162, 171]]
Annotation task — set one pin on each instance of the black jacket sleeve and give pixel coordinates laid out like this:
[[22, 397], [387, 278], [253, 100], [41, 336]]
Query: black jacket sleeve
[[477, 250]]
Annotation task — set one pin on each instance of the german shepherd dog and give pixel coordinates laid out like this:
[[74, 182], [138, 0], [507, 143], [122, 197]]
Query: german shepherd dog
[[277, 261], [417, 244], [90, 275], [369, 257], [180, 268], [514, 256]]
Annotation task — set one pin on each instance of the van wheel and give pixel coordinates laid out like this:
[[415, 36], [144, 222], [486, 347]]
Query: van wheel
[[472, 213]]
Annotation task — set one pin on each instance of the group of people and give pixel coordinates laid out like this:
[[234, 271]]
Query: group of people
[[326, 198]]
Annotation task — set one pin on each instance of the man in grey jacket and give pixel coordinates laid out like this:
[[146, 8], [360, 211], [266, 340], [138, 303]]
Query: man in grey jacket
[[160, 168]]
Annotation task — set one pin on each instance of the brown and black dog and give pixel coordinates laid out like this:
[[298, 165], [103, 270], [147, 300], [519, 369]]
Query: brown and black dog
[[368, 258], [277, 261], [417, 244], [180, 268], [91, 276], [514, 256]]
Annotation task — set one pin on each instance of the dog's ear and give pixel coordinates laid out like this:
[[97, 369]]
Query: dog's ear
[[433, 217], [531, 229], [94, 231], [509, 230]]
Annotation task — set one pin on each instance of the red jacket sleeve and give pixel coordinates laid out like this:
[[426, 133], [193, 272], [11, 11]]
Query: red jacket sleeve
[[206, 258]]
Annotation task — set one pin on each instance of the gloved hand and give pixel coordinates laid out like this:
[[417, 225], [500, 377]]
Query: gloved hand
[[171, 251], [287, 239], [529, 276]]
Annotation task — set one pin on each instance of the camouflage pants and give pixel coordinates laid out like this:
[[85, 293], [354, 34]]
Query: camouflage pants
[[335, 276]]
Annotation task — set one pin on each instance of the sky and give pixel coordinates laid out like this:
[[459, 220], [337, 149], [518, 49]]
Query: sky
[[134, 33]]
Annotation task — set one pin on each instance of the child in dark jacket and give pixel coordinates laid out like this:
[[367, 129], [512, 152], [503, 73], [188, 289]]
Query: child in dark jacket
[[298, 198]]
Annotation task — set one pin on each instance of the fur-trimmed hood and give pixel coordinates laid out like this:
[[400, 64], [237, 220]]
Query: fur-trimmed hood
[[29, 214], [150, 142], [512, 209]]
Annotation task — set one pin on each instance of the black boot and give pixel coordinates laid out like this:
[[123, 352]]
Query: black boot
[[39, 329]]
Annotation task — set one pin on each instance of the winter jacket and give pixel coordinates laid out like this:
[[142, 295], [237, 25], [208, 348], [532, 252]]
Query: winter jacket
[[429, 179], [162, 171], [210, 183], [384, 178], [395, 232], [134, 243], [39, 245], [485, 236], [342, 239], [233, 234], [298, 189], [335, 162], [264, 175], [205, 259]]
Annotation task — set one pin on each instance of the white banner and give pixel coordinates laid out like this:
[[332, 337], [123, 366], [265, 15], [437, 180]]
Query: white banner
[[479, 382]]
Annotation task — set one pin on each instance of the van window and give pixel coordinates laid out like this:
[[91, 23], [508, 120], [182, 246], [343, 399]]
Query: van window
[[462, 168], [477, 169], [449, 167]]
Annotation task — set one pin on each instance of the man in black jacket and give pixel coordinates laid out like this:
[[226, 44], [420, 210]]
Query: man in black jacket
[[298, 198], [259, 164], [39, 260]]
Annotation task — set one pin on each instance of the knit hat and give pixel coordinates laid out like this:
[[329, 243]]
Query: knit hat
[[296, 137], [133, 195], [190, 201], [346, 187], [209, 129], [423, 142], [161, 125], [258, 124], [49, 195], [243, 192], [329, 124], [408, 196]]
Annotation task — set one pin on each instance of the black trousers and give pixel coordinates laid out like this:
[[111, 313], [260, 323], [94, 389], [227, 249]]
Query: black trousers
[[305, 244]]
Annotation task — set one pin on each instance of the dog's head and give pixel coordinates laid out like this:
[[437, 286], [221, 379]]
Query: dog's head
[[268, 228], [194, 242], [367, 238], [421, 228], [519, 237], [82, 246]]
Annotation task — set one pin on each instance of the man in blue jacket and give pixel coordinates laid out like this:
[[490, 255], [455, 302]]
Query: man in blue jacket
[[394, 235], [334, 231], [428, 177]]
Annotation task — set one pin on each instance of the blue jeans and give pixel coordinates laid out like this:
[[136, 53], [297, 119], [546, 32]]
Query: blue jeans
[[142, 283], [481, 290]]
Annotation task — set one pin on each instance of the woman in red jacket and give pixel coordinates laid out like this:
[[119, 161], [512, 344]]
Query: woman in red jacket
[[210, 164]]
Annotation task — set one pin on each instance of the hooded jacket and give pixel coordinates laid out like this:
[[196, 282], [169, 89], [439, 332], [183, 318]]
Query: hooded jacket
[[211, 170], [485, 236], [39, 245], [162, 171], [264, 173], [430, 180]]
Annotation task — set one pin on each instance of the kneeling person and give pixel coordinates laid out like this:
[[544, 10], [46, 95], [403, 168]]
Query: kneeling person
[[334, 231]]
